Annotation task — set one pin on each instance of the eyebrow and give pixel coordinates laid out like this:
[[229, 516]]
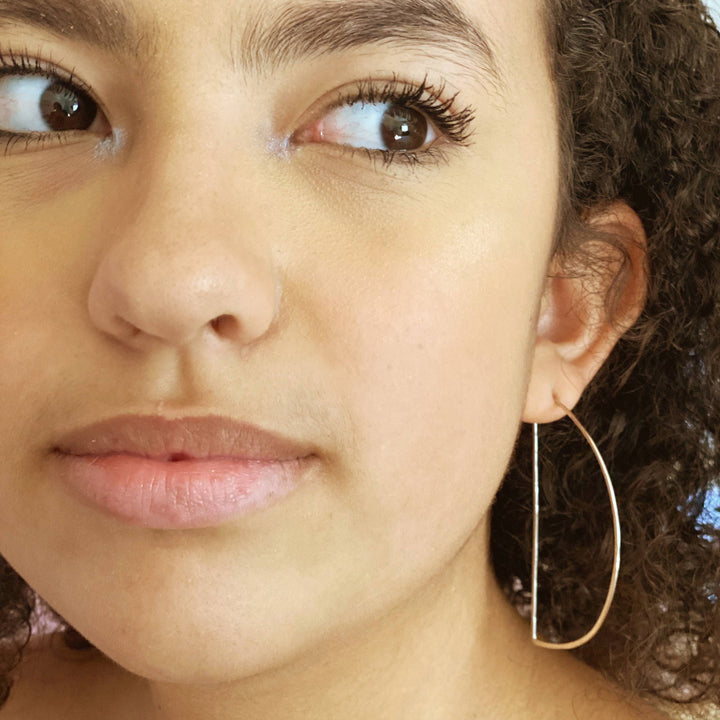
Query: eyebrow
[[99, 22], [275, 37], [312, 29]]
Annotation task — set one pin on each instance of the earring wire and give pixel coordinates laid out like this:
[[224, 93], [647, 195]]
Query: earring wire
[[536, 542]]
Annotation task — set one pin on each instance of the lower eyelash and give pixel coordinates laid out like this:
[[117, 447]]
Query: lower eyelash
[[383, 159], [412, 159], [10, 140]]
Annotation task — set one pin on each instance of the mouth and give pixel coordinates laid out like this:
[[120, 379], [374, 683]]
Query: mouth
[[185, 473]]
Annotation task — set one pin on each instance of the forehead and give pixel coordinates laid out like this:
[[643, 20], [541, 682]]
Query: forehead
[[263, 36]]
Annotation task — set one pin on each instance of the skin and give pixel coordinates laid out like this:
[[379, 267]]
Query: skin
[[401, 322]]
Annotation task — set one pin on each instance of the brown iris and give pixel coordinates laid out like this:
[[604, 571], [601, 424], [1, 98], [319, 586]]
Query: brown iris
[[404, 128], [66, 108]]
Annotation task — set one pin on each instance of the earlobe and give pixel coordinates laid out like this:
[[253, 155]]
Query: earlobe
[[576, 331]]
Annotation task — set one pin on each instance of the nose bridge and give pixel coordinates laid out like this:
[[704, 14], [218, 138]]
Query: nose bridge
[[187, 256]]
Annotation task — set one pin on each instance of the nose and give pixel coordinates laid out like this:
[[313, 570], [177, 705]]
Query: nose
[[186, 267]]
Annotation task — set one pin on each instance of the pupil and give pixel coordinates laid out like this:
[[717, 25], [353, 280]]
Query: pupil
[[64, 108], [404, 128]]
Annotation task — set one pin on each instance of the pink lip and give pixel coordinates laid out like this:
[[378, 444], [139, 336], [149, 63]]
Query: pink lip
[[177, 474]]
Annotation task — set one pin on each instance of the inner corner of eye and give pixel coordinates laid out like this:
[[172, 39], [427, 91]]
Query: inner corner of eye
[[315, 132]]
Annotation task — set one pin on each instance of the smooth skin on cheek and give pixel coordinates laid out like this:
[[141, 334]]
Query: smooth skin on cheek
[[381, 317]]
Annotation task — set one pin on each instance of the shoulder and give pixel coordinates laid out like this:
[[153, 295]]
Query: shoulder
[[54, 682]]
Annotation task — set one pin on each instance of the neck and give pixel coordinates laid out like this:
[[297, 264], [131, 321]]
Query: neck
[[455, 649]]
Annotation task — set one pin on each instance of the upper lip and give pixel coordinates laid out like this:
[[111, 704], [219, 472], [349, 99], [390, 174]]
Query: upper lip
[[184, 438]]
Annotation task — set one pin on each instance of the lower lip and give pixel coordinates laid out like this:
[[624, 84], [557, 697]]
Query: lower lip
[[179, 495]]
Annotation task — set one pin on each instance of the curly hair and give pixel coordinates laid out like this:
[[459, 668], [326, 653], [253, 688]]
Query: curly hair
[[638, 96], [638, 87]]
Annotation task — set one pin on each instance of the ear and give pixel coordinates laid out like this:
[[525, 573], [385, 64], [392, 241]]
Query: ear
[[575, 334]]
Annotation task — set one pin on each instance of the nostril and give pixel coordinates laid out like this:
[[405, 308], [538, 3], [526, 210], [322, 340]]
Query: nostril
[[226, 326], [125, 328]]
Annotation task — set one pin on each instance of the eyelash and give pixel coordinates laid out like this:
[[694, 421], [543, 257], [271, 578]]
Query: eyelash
[[24, 63], [453, 124]]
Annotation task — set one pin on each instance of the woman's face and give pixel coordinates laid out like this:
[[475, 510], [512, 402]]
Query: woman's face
[[209, 244]]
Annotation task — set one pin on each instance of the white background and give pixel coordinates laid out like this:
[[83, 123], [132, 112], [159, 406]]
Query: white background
[[714, 6]]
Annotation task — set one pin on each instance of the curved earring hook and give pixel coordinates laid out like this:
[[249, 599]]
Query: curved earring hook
[[536, 522]]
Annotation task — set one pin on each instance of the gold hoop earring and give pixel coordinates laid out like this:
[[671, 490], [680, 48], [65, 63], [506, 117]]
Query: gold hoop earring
[[536, 514]]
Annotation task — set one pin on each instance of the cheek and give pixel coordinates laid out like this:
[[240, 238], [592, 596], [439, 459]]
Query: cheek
[[52, 220], [45, 265], [430, 344]]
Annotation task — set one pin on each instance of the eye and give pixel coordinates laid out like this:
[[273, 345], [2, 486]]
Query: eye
[[395, 120], [384, 126], [31, 104]]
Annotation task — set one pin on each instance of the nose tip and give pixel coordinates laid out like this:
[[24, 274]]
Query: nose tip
[[141, 295]]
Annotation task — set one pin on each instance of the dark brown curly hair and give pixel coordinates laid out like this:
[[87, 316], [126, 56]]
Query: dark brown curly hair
[[638, 96], [638, 87]]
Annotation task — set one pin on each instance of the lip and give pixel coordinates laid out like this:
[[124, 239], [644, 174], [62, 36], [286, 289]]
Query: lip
[[184, 473]]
